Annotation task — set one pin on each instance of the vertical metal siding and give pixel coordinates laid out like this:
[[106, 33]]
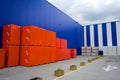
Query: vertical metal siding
[[104, 34], [114, 36], [96, 35], [85, 35], [92, 35], [109, 36], [118, 33], [80, 39], [100, 37], [88, 35]]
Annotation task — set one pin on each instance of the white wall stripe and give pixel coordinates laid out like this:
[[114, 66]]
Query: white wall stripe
[[85, 42], [109, 34], [92, 35], [118, 33], [100, 37]]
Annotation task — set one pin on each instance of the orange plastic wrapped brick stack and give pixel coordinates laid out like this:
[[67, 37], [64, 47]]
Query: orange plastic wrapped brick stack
[[62, 52], [31, 46], [37, 46], [11, 42]]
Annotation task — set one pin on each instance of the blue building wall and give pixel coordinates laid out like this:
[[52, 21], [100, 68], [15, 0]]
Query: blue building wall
[[96, 35], [105, 34], [88, 35], [43, 14]]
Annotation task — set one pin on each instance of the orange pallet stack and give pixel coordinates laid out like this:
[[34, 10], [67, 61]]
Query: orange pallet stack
[[63, 46], [47, 46], [68, 54], [11, 35], [44, 34], [58, 49], [62, 52], [43, 42], [48, 38], [47, 54], [32, 39], [32, 55], [58, 54], [30, 36], [65, 54], [10, 42], [41, 55], [12, 56], [73, 53], [2, 58], [58, 43], [50, 42], [61, 43], [53, 54], [53, 39], [41, 37], [53, 46], [29, 55], [62, 56]]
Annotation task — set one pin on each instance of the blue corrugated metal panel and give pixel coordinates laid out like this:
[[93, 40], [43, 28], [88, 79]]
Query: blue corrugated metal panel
[[88, 35], [104, 34], [114, 34], [41, 13], [96, 35], [80, 38]]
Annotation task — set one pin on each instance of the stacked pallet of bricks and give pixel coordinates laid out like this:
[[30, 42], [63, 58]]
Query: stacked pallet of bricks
[[62, 52], [83, 51], [89, 51], [37, 46], [94, 51], [31, 46], [11, 42]]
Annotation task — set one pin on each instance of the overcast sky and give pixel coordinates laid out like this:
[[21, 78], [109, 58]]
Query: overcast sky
[[90, 11]]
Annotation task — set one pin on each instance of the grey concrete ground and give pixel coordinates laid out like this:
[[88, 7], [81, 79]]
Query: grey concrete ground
[[93, 71]]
